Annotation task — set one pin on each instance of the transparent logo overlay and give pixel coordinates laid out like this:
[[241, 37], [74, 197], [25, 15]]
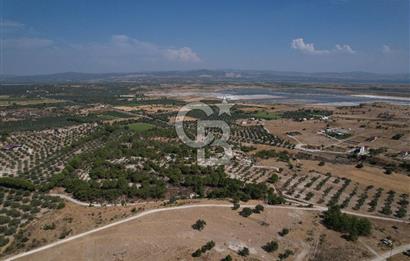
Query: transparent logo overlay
[[205, 137]]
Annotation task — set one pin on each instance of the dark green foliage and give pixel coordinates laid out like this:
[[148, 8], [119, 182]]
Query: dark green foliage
[[208, 246], [199, 225], [405, 165], [336, 220], [266, 154], [244, 252], [227, 258], [271, 246], [273, 178], [258, 209], [16, 183], [302, 114], [274, 199], [321, 163], [397, 136], [197, 253], [286, 254], [51, 226], [284, 232], [390, 168], [359, 165], [386, 210], [247, 148], [246, 212], [309, 195], [403, 203], [236, 206]]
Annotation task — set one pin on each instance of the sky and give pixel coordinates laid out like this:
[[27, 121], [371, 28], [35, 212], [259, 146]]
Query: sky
[[42, 37]]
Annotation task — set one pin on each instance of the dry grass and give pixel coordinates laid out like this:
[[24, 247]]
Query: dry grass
[[169, 236]]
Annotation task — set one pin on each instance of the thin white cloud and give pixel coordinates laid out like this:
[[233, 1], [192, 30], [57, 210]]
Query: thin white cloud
[[184, 54], [386, 49], [345, 48], [9, 24], [309, 48], [27, 43], [128, 45]]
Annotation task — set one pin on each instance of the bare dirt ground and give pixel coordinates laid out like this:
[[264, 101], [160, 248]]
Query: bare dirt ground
[[169, 236], [308, 130], [74, 219]]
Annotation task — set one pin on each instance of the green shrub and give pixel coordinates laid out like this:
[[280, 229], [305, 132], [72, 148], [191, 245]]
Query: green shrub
[[258, 209], [284, 232], [199, 225], [271, 246], [244, 252], [246, 212]]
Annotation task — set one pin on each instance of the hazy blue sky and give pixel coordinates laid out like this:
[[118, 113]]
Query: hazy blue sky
[[126, 36]]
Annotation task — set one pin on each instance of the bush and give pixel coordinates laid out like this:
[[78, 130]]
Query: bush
[[271, 246], [284, 232], [274, 199], [49, 226], [258, 209], [397, 136], [246, 212], [244, 252], [208, 246], [236, 206], [273, 178], [286, 254], [359, 165], [227, 258], [197, 253], [199, 225]]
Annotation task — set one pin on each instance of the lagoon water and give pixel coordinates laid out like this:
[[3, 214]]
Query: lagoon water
[[307, 96]]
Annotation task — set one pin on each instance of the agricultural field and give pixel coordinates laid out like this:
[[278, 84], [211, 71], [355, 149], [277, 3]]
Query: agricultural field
[[140, 127]]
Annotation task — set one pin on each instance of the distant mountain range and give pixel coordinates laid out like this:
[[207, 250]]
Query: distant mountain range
[[209, 76]]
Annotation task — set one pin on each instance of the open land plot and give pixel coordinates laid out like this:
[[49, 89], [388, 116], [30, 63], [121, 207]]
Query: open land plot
[[308, 130], [74, 219], [169, 236]]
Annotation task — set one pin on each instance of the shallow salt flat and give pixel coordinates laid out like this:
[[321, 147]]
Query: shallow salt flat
[[381, 97], [247, 97]]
